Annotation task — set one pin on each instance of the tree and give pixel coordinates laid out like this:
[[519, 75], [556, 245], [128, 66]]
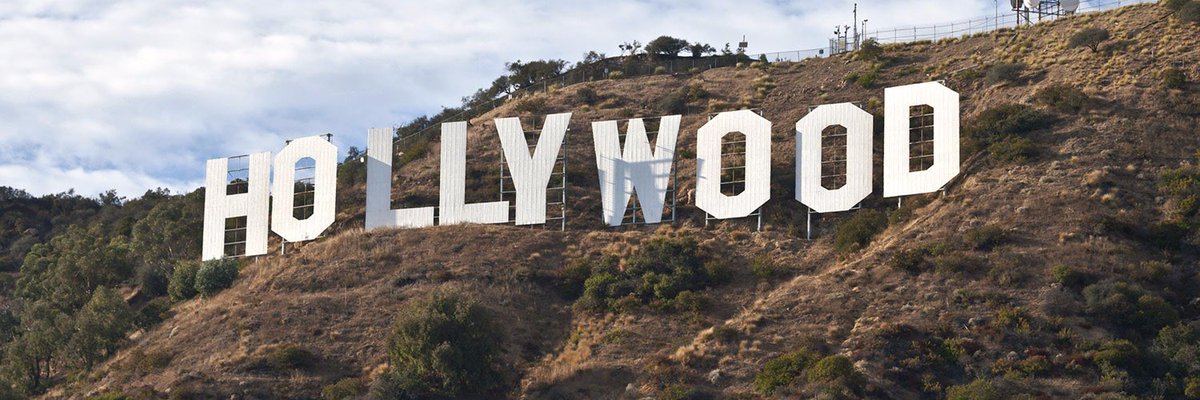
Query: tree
[[700, 49], [73, 264], [170, 231], [630, 47], [444, 345], [30, 357], [100, 326], [1090, 38], [666, 46], [524, 75]]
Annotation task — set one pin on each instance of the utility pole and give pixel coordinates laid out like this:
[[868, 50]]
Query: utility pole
[[856, 42]]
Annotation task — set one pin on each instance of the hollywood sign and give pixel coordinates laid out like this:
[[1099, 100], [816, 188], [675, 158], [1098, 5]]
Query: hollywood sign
[[638, 167]]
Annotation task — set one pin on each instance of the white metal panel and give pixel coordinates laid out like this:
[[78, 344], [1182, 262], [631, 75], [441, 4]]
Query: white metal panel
[[324, 155], [452, 197], [531, 173], [897, 179], [858, 124], [1033, 4], [379, 187], [758, 164], [254, 205], [1069, 6], [637, 168]]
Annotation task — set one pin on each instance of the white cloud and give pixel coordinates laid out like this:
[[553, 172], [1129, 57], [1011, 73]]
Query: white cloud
[[138, 93]]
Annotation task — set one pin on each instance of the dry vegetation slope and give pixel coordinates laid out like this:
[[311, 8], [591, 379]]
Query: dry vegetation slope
[[336, 297]]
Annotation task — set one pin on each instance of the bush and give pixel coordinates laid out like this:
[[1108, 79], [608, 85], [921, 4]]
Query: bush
[[183, 281], [215, 276], [661, 269], [856, 232], [1175, 5], [616, 75], [1013, 149], [978, 389], [833, 369], [349, 388], [1067, 276], [1090, 38], [531, 105], [763, 267], [679, 392], [445, 344], [985, 238], [956, 263], [1003, 121], [154, 312], [1173, 78], [587, 95], [910, 260], [1063, 98], [659, 70], [1119, 353], [1128, 306], [868, 79], [290, 356], [1190, 12], [782, 370], [674, 103], [870, 50], [1005, 72]]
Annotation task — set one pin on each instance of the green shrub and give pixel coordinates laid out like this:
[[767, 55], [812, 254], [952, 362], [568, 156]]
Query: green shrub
[[782, 370], [870, 50], [1063, 98], [690, 301], [956, 263], [1190, 12], [1090, 38], [1173, 78], [616, 75], [1119, 353], [1003, 121], [215, 276], [1151, 271], [349, 388], [1005, 72], [656, 274], [183, 281], [1128, 306], [673, 103], [445, 344], [531, 105], [587, 95], [1191, 387], [979, 389], [867, 79], [154, 312], [1013, 149], [1067, 276], [659, 70], [834, 368], [1175, 5], [985, 238], [290, 356], [111, 396], [763, 267], [857, 232], [679, 392], [910, 260], [146, 363]]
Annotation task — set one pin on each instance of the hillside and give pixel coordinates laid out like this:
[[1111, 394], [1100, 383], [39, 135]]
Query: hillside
[[1047, 269]]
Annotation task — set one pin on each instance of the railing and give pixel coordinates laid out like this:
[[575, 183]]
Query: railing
[[601, 69], [1005, 18]]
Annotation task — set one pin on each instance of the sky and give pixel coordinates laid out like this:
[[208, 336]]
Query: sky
[[136, 94]]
